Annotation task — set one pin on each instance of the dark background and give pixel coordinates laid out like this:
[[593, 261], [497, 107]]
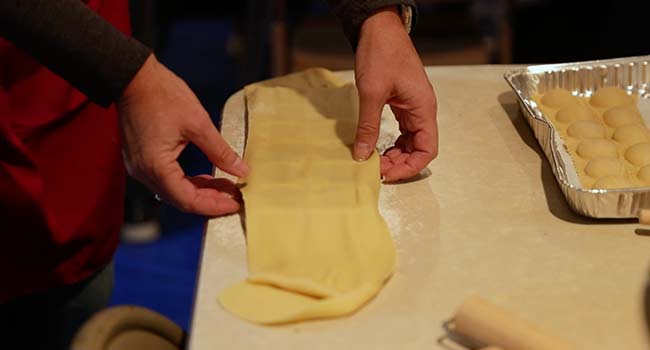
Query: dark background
[[217, 47]]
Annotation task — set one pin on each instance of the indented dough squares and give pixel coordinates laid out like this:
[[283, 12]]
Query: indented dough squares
[[317, 246], [318, 252], [326, 110]]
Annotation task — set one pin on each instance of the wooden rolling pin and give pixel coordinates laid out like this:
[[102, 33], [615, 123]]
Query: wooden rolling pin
[[491, 326], [644, 217]]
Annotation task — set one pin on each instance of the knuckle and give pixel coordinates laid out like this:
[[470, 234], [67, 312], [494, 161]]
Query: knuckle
[[435, 150], [434, 104], [183, 205], [148, 167], [367, 129], [147, 170], [197, 126], [186, 207], [372, 91], [139, 170], [225, 155]]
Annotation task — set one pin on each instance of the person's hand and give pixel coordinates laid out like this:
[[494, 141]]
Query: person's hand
[[159, 115], [388, 70]]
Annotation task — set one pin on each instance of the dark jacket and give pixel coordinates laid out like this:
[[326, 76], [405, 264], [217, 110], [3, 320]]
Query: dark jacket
[[83, 48]]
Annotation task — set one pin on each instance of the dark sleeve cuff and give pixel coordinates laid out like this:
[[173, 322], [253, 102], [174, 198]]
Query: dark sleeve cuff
[[352, 13], [74, 42]]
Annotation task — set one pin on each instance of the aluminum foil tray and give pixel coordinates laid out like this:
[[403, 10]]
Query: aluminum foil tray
[[583, 78]]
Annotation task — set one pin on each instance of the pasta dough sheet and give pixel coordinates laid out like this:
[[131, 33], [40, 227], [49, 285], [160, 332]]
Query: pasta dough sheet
[[317, 245]]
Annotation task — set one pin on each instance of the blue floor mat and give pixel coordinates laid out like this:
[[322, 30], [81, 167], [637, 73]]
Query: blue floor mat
[[162, 275]]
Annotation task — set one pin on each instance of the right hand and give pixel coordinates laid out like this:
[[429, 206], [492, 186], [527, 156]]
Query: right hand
[[159, 115], [388, 70]]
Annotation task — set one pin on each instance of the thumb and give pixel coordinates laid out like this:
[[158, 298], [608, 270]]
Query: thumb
[[370, 107], [218, 151]]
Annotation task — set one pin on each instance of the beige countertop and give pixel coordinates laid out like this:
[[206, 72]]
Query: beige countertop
[[488, 219]]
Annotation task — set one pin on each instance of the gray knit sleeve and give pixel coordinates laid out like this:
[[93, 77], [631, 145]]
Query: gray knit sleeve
[[74, 42]]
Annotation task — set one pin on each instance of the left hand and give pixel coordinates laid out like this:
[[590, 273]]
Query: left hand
[[159, 116], [388, 70]]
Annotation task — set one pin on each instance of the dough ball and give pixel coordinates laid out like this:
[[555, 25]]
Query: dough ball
[[586, 129], [573, 113], [610, 96], [639, 154], [593, 148], [619, 116], [631, 134], [558, 98], [644, 174], [611, 181], [605, 166]]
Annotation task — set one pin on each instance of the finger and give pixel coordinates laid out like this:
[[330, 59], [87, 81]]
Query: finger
[[409, 167], [393, 152], [208, 139], [194, 195], [405, 160], [410, 158], [392, 157], [396, 154], [418, 144], [385, 164], [225, 186], [390, 160], [418, 116], [404, 142], [215, 196], [371, 103]]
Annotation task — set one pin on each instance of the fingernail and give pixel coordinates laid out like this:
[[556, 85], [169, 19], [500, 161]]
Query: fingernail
[[362, 151], [241, 166], [227, 195]]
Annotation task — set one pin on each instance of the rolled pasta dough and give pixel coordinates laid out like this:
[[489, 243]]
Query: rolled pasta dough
[[317, 245]]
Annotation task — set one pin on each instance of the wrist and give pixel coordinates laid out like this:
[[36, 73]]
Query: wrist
[[140, 80], [383, 19]]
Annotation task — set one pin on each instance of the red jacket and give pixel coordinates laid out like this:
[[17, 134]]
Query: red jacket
[[61, 174]]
